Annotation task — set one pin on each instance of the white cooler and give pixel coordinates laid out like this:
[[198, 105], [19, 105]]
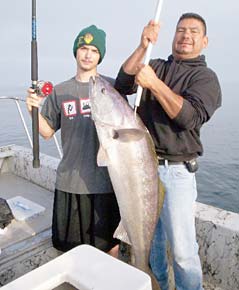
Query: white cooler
[[85, 268]]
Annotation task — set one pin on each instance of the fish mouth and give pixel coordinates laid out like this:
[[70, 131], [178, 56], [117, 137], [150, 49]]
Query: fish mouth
[[93, 80], [93, 83]]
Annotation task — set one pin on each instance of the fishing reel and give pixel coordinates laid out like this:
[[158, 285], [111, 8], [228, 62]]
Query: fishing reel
[[43, 88]]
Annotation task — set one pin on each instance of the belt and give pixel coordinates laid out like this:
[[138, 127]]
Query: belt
[[169, 162]]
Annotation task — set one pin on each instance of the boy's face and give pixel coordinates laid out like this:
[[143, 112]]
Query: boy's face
[[87, 57]]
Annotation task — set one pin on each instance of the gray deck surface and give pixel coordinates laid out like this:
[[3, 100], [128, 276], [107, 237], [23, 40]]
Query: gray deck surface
[[11, 186]]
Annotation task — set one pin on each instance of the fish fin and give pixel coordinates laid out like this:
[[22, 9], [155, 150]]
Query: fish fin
[[121, 234], [128, 134], [161, 194], [102, 158]]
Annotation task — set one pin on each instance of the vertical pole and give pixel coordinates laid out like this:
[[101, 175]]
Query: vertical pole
[[147, 55], [34, 78]]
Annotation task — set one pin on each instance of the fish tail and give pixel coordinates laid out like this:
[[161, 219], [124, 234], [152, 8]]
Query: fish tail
[[155, 284]]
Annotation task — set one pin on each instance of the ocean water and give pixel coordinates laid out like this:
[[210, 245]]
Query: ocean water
[[218, 175]]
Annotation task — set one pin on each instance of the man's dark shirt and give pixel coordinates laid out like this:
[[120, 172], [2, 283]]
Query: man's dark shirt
[[177, 139]]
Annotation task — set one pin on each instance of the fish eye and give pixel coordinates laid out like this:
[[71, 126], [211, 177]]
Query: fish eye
[[115, 135], [103, 90]]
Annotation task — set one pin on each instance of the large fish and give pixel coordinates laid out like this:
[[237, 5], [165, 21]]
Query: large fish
[[127, 149]]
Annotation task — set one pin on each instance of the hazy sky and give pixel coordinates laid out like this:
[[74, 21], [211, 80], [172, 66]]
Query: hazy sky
[[59, 21]]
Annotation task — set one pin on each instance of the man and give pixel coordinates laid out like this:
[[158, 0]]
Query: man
[[85, 208], [180, 94]]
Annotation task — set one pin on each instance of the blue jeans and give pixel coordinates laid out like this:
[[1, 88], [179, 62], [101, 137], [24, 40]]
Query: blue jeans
[[177, 225]]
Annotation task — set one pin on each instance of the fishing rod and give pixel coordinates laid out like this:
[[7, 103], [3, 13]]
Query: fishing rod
[[41, 88], [34, 78], [147, 55]]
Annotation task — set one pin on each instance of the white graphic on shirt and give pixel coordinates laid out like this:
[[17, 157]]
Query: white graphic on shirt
[[85, 106], [69, 108]]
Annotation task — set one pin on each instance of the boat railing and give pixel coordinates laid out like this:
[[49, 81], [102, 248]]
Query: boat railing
[[17, 101]]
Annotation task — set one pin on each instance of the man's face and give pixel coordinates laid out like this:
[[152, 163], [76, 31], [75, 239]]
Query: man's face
[[189, 39], [87, 57]]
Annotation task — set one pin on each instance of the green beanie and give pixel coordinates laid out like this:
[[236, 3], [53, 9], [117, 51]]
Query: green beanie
[[91, 36]]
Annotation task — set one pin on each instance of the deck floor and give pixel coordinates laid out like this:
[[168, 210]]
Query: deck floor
[[11, 186]]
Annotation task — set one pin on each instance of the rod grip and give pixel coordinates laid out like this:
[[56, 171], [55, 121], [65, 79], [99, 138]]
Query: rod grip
[[34, 62], [35, 117], [35, 138]]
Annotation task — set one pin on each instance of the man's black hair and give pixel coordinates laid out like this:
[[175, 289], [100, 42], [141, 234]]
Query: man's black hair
[[194, 16]]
